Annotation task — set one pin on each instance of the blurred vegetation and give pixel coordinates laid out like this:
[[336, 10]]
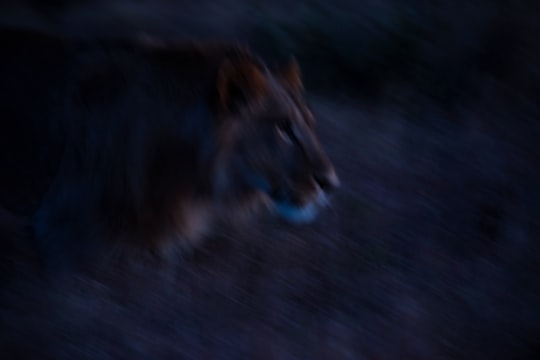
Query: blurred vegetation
[[345, 44], [442, 48], [439, 47]]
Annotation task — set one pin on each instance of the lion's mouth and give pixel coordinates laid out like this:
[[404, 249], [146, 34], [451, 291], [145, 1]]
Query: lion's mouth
[[300, 213]]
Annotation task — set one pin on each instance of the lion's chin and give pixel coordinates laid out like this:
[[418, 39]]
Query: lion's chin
[[300, 214]]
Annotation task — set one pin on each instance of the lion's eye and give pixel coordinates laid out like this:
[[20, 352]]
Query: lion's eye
[[284, 134]]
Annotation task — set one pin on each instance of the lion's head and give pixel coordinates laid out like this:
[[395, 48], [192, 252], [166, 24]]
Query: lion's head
[[268, 142]]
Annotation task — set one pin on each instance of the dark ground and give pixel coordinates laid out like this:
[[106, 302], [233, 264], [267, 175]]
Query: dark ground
[[430, 250]]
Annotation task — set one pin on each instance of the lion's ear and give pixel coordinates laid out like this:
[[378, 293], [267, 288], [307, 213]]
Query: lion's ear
[[291, 75], [240, 83]]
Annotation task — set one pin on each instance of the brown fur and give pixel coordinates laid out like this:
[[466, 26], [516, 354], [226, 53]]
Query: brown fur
[[147, 142]]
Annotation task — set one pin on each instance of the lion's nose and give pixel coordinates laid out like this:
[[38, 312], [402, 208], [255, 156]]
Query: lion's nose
[[327, 180]]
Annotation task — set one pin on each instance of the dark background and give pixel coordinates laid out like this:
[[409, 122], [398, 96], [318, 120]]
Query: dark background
[[430, 112]]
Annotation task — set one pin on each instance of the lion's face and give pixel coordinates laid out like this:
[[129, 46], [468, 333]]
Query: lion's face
[[272, 146]]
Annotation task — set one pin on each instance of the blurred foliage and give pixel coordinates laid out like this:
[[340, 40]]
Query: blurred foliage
[[340, 41], [442, 48], [439, 47]]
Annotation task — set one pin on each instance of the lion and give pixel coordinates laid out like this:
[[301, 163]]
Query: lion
[[147, 142]]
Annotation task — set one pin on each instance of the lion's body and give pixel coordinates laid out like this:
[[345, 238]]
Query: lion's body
[[117, 139]]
